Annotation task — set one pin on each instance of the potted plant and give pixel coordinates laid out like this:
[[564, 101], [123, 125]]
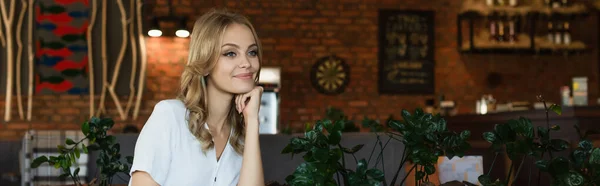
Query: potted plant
[[425, 137], [96, 134], [519, 140]]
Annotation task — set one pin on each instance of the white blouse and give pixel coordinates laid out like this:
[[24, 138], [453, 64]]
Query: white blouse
[[167, 150]]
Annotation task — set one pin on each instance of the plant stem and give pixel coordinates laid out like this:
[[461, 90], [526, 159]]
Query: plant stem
[[337, 175], [372, 150], [380, 156], [529, 179], [417, 181], [519, 169], [404, 157], [493, 162], [344, 165], [408, 173], [512, 164], [540, 171]]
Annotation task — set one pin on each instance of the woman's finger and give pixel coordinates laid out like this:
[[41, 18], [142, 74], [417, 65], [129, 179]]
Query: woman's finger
[[237, 103], [244, 100]]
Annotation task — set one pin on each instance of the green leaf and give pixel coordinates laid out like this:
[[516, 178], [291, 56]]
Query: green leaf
[[556, 108], [335, 137], [397, 126], [543, 134], [559, 144], [311, 136], [376, 174], [77, 153], [328, 125], [69, 141], [595, 156], [542, 164], [579, 157], [558, 165], [586, 145], [85, 128], [574, 179], [61, 148], [465, 134], [111, 139], [354, 149], [420, 175], [361, 167], [429, 169], [76, 171], [339, 125], [38, 161], [84, 148], [489, 137], [288, 149], [484, 179], [307, 127], [129, 159], [321, 155]]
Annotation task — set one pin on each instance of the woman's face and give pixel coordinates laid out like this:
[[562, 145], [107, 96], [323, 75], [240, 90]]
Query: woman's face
[[238, 64]]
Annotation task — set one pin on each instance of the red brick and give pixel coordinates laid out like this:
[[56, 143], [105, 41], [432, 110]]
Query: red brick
[[306, 12], [349, 13], [320, 20], [342, 21], [302, 54], [284, 48]]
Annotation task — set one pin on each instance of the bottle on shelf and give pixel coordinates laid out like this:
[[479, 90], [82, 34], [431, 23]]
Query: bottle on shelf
[[556, 3], [566, 3], [500, 2], [493, 27], [489, 2], [512, 3], [501, 29], [558, 33], [550, 32], [566, 34], [512, 36]]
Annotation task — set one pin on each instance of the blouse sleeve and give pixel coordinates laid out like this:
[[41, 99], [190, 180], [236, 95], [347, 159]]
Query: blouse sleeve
[[154, 144]]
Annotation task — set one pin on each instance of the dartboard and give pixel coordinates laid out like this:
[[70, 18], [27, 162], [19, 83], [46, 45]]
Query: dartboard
[[330, 75]]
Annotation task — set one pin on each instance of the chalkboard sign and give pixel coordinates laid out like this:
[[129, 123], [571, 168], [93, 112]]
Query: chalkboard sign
[[406, 52]]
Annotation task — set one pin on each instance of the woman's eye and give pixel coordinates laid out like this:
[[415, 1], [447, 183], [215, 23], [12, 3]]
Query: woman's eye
[[229, 54], [253, 53]]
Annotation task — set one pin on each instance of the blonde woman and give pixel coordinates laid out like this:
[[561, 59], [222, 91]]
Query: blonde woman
[[209, 134]]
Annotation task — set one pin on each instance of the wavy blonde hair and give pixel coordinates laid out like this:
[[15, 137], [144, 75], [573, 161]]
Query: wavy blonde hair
[[204, 52]]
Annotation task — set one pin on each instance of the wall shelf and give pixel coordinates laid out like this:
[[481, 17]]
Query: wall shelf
[[525, 18]]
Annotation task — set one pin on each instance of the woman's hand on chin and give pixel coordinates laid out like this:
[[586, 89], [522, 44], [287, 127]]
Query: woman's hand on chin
[[249, 103]]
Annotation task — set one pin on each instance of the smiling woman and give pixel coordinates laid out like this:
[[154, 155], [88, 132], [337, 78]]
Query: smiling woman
[[209, 134]]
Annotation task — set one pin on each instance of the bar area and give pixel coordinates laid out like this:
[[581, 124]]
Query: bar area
[[352, 92]]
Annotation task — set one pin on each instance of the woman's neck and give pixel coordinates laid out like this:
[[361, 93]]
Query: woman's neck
[[219, 104]]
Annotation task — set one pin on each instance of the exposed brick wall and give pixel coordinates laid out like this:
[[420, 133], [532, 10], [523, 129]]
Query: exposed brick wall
[[295, 35]]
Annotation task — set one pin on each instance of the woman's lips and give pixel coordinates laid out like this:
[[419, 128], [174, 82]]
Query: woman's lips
[[244, 76]]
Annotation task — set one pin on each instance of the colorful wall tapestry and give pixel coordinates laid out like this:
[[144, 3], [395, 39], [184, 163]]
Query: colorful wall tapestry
[[61, 48]]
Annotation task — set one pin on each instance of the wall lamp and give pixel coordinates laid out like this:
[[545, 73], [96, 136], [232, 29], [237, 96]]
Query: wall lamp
[[181, 28]]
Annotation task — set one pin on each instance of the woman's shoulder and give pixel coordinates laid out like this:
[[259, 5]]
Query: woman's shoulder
[[173, 105]]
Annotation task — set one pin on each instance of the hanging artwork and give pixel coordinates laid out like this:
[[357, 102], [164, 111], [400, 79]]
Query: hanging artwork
[[406, 52], [61, 49]]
